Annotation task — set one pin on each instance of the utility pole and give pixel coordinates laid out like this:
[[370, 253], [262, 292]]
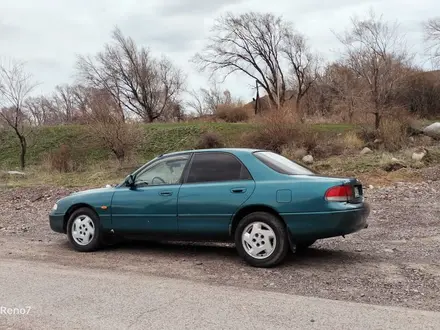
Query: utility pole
[[257, 98]]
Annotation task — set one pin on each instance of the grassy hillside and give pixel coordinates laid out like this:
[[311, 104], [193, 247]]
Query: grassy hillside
[[160, 138]]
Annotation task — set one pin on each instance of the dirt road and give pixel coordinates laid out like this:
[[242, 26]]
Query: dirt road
[[395, 262]]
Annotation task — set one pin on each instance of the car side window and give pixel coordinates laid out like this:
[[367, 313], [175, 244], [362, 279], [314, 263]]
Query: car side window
[[216, 167], [164, 172]]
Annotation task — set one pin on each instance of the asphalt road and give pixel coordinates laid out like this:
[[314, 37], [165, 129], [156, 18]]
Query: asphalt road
[[63, 297]]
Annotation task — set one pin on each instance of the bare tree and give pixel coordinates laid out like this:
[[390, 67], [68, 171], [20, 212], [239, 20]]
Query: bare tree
[[39, 110], [206, 100], [137, 81], [251, 44], [65, 100], [108, 127], [304, 65], [346, 88], [376, 52], [15, 86], [432, 37], [264, 48]]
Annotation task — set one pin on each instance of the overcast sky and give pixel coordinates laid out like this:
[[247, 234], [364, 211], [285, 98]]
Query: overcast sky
[[48, 34]]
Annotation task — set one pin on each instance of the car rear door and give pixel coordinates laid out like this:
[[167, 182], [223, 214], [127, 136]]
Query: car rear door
[[216, 185]]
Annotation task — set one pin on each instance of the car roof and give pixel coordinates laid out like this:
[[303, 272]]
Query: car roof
[[230, 150]]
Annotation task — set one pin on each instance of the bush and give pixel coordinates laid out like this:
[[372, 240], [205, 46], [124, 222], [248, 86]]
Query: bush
[[329, 148], [116, 136], [394, 133], [209, 140], [232, 114], [352, 140], [275, 131], [61, 159], [368, 134]]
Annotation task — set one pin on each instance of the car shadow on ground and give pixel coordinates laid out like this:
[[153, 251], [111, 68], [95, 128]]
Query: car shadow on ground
[[222, 251]]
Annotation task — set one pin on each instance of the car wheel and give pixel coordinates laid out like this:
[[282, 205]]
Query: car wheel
[[303, 246], [83, 230], [261, 239]]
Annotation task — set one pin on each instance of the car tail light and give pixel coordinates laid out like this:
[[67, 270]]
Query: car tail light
[[342, 193]]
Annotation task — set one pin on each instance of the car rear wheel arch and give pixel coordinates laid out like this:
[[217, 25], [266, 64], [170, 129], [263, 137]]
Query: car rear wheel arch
[[248, 210], [72, 209]]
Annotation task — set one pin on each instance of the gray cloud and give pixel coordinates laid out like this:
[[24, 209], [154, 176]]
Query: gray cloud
[[162, 34], [48, 34], [9, 31], [193, 7]]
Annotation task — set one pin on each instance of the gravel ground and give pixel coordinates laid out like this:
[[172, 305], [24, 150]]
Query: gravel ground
[[396, 261]]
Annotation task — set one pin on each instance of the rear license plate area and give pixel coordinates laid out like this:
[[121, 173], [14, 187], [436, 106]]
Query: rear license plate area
[[357, 191]]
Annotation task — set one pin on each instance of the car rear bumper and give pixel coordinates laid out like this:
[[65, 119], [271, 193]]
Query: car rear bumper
[[56, 222], [312, 226]]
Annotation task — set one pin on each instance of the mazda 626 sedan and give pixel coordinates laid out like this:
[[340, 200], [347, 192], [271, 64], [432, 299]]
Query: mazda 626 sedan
[[262, 201]]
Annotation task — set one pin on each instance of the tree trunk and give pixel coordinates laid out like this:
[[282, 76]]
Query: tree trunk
[[377, 120], [299, 109], [350, 111], [23, 146]]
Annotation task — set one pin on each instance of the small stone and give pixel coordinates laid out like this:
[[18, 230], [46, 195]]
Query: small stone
[[366, 150], [370, 187], [363, 295], [272, 284], [388, 251], [358, 250], [308, 159], [199, 263], [418, 156], [312, 320]]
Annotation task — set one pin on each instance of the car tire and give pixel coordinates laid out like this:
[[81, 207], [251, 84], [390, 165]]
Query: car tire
[[301, 247], [83, 230], [261, 230]]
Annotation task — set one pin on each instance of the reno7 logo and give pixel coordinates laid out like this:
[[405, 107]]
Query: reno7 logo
[[15, 310]]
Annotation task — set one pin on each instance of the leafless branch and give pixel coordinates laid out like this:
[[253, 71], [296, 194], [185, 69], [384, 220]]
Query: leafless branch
[[15, 87]]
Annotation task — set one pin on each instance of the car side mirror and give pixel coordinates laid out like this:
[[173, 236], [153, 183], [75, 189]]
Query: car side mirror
[[129, 181]]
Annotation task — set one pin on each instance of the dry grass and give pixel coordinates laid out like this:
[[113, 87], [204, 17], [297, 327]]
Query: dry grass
[[100, 174], [232, 113], [394, 133], [278, 130], [352, 140]]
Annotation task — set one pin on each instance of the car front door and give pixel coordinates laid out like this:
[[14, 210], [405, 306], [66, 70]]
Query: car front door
[[150, 206], [216, 185]]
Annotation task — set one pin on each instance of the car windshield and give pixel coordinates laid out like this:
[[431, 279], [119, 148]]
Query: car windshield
[[281, 164]]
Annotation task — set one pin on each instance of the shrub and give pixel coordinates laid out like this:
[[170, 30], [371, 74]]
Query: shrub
[[352, 140], [276, 131], [232, 114], [329, 148], [61, 159], [209, 140], [394, 133], [116, 136], [368, 134]]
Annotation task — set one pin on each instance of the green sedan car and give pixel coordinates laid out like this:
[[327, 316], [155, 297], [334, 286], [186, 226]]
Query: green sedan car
[[263, 202]]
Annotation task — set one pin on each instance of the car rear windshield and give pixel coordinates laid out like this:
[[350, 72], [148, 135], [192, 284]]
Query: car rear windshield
[[281, 164]]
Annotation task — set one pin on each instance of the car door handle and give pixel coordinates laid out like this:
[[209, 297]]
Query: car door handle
[[166, 193], [238, 190]]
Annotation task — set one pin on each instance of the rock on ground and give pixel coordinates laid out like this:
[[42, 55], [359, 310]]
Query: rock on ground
[[433, 130]]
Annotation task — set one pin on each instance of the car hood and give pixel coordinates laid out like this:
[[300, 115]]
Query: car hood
[[93, 191]]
